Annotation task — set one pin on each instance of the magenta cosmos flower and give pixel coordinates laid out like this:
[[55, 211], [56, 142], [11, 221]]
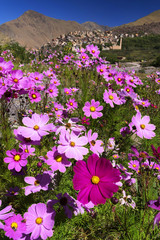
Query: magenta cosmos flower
[[14, 227], [72, 145], [39, 222], [36, 127], [34, 96], [93, 109], [144, 129], [95, 179], [16, 160]]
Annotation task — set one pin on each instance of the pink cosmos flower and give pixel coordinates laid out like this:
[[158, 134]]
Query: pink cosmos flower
[[34, 96], [93, 50], [55, 81], [95, 179], [28, 150], [111, 97], [134, 164], [101, 69], [144, 129], [72, 145], [57, 161], [36, 127], [14, 227], [93, 109], [36, 77], [39, 222], [16, 160], [95, 145], [40, 182], [85, 121], [71, 104], [52, 90], [5, 213], [68, 91]]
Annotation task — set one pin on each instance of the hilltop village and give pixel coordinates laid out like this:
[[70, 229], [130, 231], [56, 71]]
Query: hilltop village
[[106, 39]]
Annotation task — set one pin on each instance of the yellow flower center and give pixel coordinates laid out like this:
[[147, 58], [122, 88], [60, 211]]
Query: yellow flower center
[[56, 109], [26, 150], [72, 144], [136, 107], [93, 51], [58, 158], [143, 103], [101, 70], [50, 90], [95, 179], [134, 165], [3, 84], [128, 90], [111, 97], [15, 80], [14, 226], [83, 57], [17, 157], [67, 92], [68, 125], [36, 183], [93, 142], [142, 126], [34, 96], [119, 79], [36, 127], [92, 109], [71, 103], [39, 220], [55, 82], [1, 68], [36, 78]]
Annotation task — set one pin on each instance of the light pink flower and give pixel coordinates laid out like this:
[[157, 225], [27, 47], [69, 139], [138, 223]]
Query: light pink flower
[[72, 145], [36, 127], [144, 129]]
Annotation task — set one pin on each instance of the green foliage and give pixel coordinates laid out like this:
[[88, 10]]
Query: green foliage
[[18, 52], [156, 63], [136, 49]]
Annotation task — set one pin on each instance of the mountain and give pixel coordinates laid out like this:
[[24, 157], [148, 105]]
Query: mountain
[[151, 18], [33, 29], [94, 26]]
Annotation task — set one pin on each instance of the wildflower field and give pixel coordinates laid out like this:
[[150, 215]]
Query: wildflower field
[[80, 149]]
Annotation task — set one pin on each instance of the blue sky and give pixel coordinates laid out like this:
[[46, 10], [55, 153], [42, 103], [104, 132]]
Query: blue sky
[[104, 12]]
